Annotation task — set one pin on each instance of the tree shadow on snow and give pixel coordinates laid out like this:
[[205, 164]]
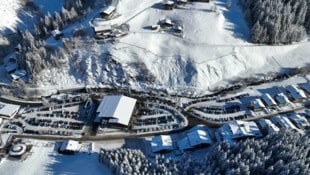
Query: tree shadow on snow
[[76, 164], [235, 15]]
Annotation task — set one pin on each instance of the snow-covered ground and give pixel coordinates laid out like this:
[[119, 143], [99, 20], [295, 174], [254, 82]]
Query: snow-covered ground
[[214, 49], [44, 160], [9, 13]]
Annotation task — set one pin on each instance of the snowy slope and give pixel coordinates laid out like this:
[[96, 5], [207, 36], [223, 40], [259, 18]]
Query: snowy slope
[[9, 14], [214, 49]]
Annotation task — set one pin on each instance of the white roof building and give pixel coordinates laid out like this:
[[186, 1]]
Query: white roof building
[[103, 28], [257, 104], [283, 122], [194, 138], [298, 120], [269, 101], [282, 99], [306, 87], [108, 11], [295, 93], [268, 126], [239, 129], [168, 2], [117, 107], [162, 143], [70, 145], [8, 110]]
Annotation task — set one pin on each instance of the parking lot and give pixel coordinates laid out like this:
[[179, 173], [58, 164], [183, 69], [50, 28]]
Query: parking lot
[[66, 120]]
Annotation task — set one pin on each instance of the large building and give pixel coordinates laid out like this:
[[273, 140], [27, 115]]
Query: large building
[[116, 109], [238, 129], [257, 104], [8, 110], [282, 100], [196, 137], [283, 122], [268, 100], [69, 147], [295, 93], [267, 127], [162, 143], [300, 121]]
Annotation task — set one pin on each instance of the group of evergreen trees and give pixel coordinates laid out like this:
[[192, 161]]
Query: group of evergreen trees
[[277, 21], [70, 11], [284, 153]]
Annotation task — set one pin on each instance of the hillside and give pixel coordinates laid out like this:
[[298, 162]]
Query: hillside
[[214, 49]]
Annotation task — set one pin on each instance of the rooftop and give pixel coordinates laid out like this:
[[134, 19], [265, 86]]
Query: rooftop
[[70, 145], [117, 106], [296, 93], [268, 100], [161, 143], [8, 110]]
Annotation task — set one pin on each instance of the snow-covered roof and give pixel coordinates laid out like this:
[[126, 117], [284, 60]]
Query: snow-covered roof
[[70, 145], [257, 104], [283, 122], [56, 32], [102, 28], [295, 93], [306, 87], [8, 110], [18, 74], [166, 21], [161, 143], [167, 2], [108, 10], [183, 144], [11, 67], [267, 124], [198, 137], [5, 139], [117, 106], [282, 99], [268, 100], [238, 129], [299, 120]]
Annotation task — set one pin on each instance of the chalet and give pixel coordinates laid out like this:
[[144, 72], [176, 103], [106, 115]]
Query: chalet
[[102, 31], [162, 143], [283, 122], [257, 105], [201, 0], [178, 29], [155, 27], [168, 4], [57, 34], [69, 147], [282, 99], [267, 127], [296, 94], [268, 100], [108, 12], [195, 138], [237, 129], [166, 23], [18, 74], [306, 87], [182, 2], [300, 121]]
